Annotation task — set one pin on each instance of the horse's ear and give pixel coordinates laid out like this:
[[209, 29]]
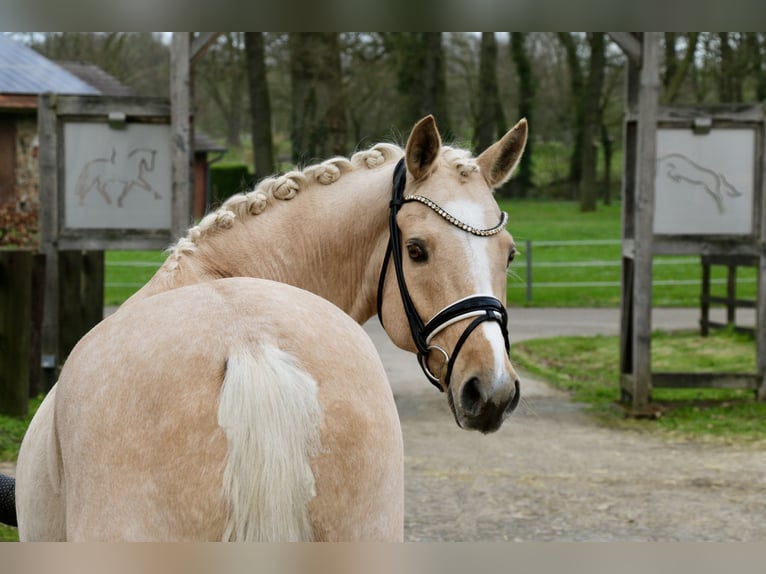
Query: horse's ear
[[499, 160], [423, 147]]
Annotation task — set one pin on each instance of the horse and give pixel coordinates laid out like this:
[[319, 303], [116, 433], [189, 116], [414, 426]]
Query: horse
[[427, 210]]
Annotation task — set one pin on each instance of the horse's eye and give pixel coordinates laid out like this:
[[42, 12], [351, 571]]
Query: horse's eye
[[512, 255], [417, 252]]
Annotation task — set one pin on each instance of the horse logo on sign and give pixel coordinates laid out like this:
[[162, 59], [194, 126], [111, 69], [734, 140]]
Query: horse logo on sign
[[102, 173], [679, 168]]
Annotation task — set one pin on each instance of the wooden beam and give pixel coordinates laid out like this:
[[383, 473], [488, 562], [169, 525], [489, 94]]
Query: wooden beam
[[646, 152], [15, 306], [760, 297], [201, 42], [49, 231], [629, 44], [672, 380], [181, 142]]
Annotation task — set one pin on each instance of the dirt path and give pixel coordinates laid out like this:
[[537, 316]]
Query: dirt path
[[552, 474]]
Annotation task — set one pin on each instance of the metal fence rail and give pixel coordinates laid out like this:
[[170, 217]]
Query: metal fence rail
[[529, 284]]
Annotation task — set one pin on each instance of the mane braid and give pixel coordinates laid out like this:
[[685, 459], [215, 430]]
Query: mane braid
[[280, 187]]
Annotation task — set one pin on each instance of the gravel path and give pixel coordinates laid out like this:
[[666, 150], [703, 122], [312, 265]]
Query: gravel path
[[552, 474]]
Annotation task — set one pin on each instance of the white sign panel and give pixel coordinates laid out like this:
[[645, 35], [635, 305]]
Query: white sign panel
[[117, 178], [704, 182]]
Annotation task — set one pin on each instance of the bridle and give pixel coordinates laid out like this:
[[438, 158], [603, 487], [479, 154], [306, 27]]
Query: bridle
[[479, 307]]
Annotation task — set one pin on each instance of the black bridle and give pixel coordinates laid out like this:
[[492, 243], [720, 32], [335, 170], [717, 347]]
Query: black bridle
[[480, 307]]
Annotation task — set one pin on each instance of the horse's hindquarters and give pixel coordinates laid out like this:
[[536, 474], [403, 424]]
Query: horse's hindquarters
[[137, 412]]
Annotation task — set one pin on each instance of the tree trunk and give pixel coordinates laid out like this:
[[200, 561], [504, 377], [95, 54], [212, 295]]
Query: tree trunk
[[758, 70], [677, 71], [606, 144], [260, 104], [421, 78], [485, 128], [318, 126], [591, 121], [578, 97], [725, 85], [522, 181]]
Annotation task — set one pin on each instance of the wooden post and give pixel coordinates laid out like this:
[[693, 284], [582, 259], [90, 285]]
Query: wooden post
[[648, 102], [627, 228], [49, 228], [70, 303], [760, 296], [182, 150], [37, 294], [15, 305], [705, 298], [92, 289], [760, 314]]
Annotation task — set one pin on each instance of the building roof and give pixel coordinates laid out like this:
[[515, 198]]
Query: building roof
[[24, 71], [94, 76]]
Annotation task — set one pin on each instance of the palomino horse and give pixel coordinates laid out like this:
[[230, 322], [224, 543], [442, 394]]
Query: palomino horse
[[237, 409], [440, 228]]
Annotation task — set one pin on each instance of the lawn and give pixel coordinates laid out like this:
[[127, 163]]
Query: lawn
[[586, 271], [588, 368]]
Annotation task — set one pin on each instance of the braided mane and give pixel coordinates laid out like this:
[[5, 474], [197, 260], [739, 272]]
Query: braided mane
[[286, 186]]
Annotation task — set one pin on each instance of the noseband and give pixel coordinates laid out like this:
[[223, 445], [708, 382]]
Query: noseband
[[479, 307]]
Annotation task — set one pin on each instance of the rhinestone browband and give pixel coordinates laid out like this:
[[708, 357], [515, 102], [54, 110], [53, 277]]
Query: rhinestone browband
[[456, 222]]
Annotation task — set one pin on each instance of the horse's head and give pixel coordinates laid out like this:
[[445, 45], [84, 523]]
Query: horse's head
[[445, 296]]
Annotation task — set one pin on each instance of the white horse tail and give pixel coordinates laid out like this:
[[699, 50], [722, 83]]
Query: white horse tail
[[270, 413]]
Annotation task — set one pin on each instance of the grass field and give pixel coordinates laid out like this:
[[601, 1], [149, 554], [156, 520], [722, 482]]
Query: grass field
[[573, 275], [588, 275], [588, 368]]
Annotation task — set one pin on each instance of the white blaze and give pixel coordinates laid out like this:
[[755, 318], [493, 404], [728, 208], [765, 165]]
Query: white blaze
[[478, 256]]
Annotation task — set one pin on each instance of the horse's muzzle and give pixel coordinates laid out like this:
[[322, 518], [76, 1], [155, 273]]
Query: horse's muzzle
[[485, 411]]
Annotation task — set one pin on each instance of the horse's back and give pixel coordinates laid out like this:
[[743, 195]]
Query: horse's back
[[139, 415]]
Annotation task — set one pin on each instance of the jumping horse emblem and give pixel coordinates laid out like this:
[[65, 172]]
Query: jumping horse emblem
[[679, 168]]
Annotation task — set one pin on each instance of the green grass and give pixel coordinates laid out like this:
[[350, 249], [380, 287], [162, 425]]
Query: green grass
[[12, 430], [588, 368], [126, 271], [557, 270]]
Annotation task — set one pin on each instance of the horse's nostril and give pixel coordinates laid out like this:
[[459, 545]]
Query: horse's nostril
[[470, 396], [516, 397]]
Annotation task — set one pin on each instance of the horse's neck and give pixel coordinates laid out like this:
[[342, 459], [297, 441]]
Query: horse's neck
[[329, 240]]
